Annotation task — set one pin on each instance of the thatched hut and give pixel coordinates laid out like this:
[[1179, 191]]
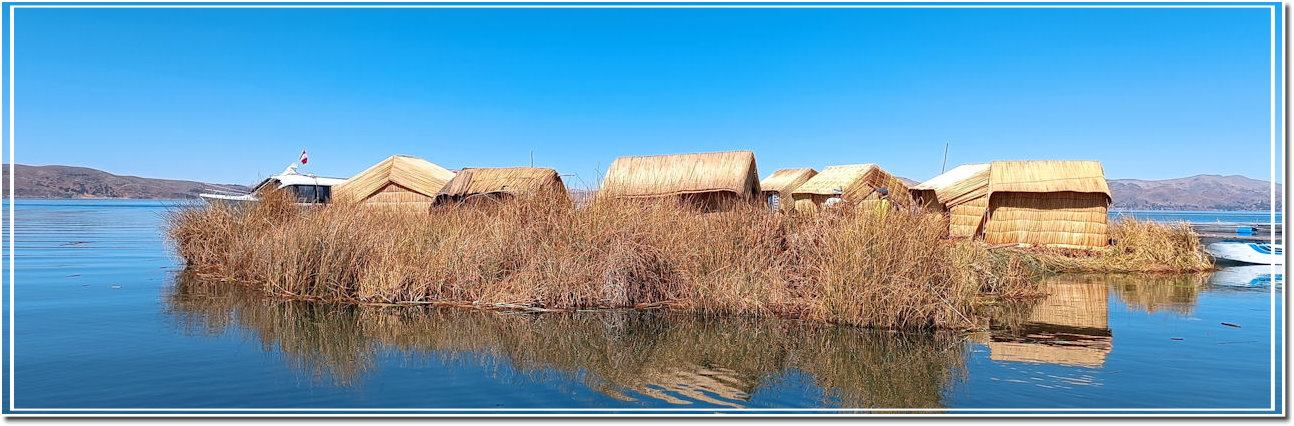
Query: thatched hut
[[856, 183], [711, 180], [962, 192], [776, 188], [1043, 203], [1047, 203], [479, 184], [397, 180]]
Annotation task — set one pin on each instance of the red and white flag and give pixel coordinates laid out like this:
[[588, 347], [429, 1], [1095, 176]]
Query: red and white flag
[[303, 157]]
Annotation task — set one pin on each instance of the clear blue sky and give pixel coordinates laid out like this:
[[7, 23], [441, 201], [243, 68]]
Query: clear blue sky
[[231, 95]]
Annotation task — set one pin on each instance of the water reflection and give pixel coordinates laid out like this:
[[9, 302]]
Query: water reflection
[[1068, 327], [1248, 278], [653, 359], [672, 360]]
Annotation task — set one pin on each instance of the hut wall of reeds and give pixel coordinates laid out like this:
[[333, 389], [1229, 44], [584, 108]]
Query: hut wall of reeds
[[709, 180], [398, 180], [856, 183], [1048, 203], [961, 192], [966, 219], [783, 183], [498, 184]]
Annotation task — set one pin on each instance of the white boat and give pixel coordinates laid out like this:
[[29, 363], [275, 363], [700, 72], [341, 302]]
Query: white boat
[[308, 189], [1259, 253]]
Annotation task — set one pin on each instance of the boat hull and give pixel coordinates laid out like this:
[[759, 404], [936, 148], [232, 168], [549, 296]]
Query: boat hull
[[1256, 253]]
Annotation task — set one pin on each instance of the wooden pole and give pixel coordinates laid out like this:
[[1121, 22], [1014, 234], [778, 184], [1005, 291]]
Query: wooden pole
[[944, 167]]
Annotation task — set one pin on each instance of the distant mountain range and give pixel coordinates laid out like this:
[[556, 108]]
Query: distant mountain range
[[83, 182], [1201, 192]]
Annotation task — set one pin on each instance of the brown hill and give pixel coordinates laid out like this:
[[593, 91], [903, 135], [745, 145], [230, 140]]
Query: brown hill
[[1200, 192], [82, 182]]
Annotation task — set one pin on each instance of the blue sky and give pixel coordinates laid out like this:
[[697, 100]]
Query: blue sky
[[232, 95]]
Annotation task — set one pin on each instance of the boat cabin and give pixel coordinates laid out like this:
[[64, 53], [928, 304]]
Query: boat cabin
[[307, 189]]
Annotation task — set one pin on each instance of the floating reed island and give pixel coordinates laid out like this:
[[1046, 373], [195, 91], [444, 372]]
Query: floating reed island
[[690, 233]]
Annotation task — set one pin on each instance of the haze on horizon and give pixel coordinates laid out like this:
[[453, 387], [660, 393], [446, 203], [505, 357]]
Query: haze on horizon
[[232, 95]]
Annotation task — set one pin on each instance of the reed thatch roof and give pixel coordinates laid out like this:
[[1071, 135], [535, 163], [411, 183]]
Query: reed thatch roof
[[959, 185], [665, 175], [502, 181], [864, 177], [398, 176], [1048, 176], [786, 180], [856, 183]]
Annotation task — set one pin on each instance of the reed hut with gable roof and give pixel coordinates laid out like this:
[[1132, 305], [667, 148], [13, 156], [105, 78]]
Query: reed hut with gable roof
[[711, 181], [856, 182], [1042, 203], [776, 188], [1047, 203], [398, 180], [499, 184], [962, 192]]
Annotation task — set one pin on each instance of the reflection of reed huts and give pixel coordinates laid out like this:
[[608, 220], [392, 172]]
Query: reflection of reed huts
[[710, 180], [627, 355], [776, 188], [397, 180], [856, 183], [1042, 203], [498, 184], [1175, 293], [1069, 327]]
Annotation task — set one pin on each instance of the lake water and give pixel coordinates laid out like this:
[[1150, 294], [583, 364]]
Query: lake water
[[105, 321], [1199, 217]]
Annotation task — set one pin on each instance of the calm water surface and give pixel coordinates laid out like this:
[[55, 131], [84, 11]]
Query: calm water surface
[[105, 319], [1198, 217]]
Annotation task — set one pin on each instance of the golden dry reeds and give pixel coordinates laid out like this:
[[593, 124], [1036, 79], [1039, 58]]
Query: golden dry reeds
[[847, 266], [1138, 246]]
